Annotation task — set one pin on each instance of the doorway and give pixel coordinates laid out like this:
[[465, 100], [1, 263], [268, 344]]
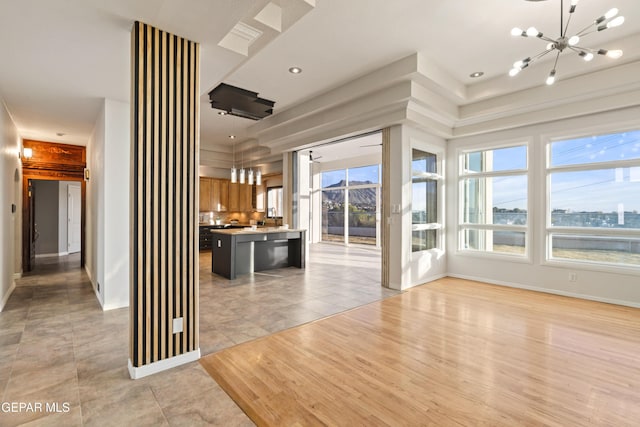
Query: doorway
[[53, 163], [346, 191], [56, 209]]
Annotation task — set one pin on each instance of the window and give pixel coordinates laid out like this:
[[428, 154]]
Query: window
[[593, 209], [494, 200], [350, 201], [274, 202], [424, 214]]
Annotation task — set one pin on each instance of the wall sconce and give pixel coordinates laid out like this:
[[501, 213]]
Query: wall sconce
[[27, 152]]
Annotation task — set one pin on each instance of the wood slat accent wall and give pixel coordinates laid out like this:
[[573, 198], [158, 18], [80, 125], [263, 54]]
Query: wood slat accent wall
[[164, 199]]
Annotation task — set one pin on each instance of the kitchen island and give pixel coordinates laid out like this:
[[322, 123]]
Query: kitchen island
[[242, 251]]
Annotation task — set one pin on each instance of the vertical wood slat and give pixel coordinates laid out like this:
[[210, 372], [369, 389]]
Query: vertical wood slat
[[157, 230], [171, 184], [165, 136], [178, 186], [185, 142], [195, 182], [147, 192], [163, 199]]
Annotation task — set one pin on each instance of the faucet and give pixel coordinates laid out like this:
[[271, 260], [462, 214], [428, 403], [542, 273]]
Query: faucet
[[273, 214]]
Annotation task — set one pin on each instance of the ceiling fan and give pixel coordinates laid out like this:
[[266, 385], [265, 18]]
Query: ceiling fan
[[312, 158]]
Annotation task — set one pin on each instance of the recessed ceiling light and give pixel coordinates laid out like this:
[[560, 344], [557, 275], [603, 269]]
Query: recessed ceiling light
[[60, 133], [222, 113], [232, 137], [295, 70], [476, 74]]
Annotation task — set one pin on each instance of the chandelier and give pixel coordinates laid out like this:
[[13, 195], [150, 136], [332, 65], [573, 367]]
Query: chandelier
[[564, 41]]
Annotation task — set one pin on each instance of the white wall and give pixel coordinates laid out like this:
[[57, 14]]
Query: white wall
[[94, 233], [116, 181], [407, 268], [616, 285], [9, 221], [108, 154]]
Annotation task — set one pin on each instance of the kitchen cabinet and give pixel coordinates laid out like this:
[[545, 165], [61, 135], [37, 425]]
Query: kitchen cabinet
[[205, 194], [234, 197], [260, 198], [214, 194], [219, 195], [240, 197]]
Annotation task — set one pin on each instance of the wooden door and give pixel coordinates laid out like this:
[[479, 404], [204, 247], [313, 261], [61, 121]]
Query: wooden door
[[205, 194], [224, 195], [215, 195], [234, 197], [248, 198], [33, 232]]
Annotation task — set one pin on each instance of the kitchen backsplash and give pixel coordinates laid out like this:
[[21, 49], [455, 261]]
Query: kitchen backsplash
[[226, 217]]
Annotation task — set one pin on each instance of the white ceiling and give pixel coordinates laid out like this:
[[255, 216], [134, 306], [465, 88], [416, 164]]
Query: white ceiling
[[61, 57]]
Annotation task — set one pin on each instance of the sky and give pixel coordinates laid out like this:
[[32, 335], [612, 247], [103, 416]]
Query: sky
[[604, 190]]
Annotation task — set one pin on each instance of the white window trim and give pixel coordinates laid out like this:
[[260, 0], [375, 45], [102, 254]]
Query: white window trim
[[466, 174], [547, 259], [439, 178]]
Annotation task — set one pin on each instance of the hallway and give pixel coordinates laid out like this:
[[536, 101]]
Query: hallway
[[58, 346]]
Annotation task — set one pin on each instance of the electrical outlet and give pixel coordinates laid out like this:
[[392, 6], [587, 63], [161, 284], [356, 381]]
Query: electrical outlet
[[573, 277], [219, 243], [177, 325]]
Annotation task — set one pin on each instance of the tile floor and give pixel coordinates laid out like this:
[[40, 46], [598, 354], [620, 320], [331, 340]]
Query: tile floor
[[57, 346]]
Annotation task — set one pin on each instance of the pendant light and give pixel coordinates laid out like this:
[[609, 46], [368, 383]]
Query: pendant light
[[234, 171], [242, 169], [250, 173]]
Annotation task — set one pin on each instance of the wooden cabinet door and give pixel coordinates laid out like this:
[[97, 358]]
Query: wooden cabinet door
[[224, 195], [260, 198], [205, 194], [234, 197], [248, 198], [215, 195]]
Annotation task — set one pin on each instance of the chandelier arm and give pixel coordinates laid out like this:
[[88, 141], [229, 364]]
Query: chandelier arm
[[555, 64], [586, 34], [547, 39], [566, 28], [541, 54], [581, 32]]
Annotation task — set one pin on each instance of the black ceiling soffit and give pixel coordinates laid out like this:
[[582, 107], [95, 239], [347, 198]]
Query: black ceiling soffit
[[240, 102]]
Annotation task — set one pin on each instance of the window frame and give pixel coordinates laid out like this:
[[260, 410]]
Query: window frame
[[347, 188], [268, 207], [438, 178], [550, 230], [464, 174]]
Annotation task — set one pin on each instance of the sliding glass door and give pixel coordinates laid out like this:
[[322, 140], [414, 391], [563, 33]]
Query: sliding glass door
[[351, 205]]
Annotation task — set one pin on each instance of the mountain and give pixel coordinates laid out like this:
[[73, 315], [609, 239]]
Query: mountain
[[361, 197]]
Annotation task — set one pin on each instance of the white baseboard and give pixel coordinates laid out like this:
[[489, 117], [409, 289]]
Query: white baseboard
[[548, 291], [6, 296], [162, 365]]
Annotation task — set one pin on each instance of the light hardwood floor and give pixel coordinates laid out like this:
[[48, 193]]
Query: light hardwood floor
[[451, 352], [58, 346]]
